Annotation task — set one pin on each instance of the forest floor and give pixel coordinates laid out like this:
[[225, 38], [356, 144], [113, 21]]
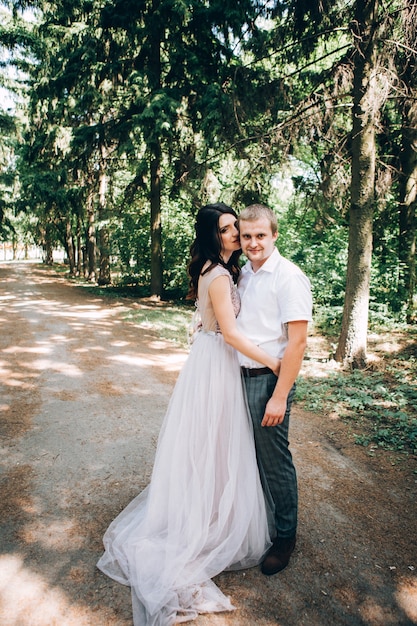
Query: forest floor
[[82, 395]]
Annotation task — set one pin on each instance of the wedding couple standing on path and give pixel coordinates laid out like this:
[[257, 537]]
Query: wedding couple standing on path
[[223, 492]]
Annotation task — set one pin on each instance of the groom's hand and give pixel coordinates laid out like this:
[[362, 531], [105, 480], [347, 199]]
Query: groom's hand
[[275, 411]]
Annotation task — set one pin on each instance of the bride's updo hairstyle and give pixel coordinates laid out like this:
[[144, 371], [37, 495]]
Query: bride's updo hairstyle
[[207, 245]]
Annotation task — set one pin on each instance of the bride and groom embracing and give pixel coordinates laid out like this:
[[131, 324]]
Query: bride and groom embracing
[[223, 492]]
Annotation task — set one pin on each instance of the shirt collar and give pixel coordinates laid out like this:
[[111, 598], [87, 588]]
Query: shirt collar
[[269, 265]]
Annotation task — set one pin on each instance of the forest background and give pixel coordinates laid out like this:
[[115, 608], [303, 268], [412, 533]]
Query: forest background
[[126, 116]]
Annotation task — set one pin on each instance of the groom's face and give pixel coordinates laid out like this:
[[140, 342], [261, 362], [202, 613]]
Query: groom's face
[[257, 240]]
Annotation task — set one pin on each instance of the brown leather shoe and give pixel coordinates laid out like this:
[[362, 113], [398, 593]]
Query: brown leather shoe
[[278, 556]]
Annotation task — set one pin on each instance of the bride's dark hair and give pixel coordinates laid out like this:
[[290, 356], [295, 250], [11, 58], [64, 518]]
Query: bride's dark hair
[[207, 245]]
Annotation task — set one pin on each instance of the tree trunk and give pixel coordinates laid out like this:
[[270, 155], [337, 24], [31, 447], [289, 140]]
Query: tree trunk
[[49, 258], [407, 207], [104, 277], [91, 238], [154, 144], [351, 349], [79, 260], [14, 248], [69, 244], [156, 227]]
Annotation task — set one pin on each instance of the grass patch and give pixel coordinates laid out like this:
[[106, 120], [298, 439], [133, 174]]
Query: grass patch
[[381, 404], [171, 324], [170, 319]]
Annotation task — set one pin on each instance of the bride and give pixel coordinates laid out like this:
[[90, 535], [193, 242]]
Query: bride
[[204, 510]]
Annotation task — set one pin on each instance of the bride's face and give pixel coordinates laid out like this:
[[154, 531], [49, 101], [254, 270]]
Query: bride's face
[[229, 235]]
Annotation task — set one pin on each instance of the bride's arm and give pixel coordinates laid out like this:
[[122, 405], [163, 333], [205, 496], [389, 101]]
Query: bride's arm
[[219, 291]]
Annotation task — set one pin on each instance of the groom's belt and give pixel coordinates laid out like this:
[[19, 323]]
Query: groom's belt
[[255, 371]]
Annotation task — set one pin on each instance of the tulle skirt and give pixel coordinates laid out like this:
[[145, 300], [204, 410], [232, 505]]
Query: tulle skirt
[[204, 510]]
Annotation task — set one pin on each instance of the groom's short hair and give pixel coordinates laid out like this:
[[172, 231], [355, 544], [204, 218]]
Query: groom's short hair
[[257, 211]]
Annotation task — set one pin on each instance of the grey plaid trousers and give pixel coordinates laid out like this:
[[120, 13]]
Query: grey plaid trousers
[[276, 467]]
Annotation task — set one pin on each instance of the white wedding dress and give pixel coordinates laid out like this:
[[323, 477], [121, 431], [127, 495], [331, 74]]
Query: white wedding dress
[[204, 510]]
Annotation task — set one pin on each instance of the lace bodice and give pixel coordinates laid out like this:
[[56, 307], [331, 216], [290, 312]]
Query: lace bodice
[[205, 307]]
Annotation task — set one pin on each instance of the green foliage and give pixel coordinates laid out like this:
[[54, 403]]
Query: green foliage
[[131, 246], [247, 91], [380, 404], [313, 233], [177, 235]]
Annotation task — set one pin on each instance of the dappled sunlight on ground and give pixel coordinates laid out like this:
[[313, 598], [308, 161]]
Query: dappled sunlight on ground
[[169, 362], [389, 344], [52, 534], [67, 369], [38, 349], [12, 378], [373, 613], [127, 359], [26, 599], [407, 598]]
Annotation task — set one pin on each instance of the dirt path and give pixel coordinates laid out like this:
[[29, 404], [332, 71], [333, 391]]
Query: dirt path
[[82, 396]]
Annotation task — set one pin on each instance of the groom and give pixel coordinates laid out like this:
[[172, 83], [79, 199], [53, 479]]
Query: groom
[[276, 306]]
